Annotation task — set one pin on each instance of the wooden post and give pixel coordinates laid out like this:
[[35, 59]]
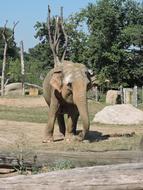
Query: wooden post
[[22, 66], [135, 96], [121, 93], [96, 94], [3, 68], [142, 94], [124, 95]]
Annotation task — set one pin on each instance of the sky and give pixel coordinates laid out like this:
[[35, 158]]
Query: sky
[[28, 12]]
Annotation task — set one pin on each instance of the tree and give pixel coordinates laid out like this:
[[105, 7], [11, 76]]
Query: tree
[[22, 66], [105, 36], [12, 50], [77, 43], [6, 39], [56, 34], [114, 26]]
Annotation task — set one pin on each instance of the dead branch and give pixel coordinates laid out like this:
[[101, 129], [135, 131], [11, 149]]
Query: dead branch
[[54, 38], [22, 66], [7, 80], [4, 32], [6, 39], [52, 41], [14, 25]]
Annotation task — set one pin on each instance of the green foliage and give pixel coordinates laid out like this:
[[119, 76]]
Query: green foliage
[[115, 26], [77, 40], [107, 36], [12, 49], [100, 36], [33, 72], [62, 165], [14, 70]]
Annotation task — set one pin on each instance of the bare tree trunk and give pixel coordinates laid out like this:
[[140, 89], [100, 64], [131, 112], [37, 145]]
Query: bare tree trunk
[[6, 40], [54, 37], [3, 68], [22, 67]]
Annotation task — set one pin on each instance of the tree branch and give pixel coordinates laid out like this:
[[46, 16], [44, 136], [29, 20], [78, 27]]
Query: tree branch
[[14, 25], [4, 31], [52, 42], [66, 42], [55, 39]]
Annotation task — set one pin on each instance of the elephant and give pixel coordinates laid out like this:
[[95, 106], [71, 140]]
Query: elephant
[[65, 91]]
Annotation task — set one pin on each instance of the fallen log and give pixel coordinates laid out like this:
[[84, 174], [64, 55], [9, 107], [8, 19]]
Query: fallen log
[[79, 159], [109, 177]]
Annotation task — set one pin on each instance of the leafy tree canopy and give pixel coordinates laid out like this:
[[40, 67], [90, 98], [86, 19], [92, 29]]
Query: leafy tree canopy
[[106, 35], [114, 27], [12, 49]]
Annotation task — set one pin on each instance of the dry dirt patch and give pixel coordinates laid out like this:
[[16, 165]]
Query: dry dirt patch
[[13, 132], [23, 102]]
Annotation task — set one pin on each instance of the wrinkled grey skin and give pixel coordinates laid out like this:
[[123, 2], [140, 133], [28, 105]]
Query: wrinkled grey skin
[[64, 89]]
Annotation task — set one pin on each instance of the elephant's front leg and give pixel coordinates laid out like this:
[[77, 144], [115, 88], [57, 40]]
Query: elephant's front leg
[[51, 121], [71, 127]]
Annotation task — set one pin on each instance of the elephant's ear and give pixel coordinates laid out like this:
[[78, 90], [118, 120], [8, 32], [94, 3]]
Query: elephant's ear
[[56, 80]]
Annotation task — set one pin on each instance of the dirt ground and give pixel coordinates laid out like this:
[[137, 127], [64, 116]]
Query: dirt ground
[[25, 138], [32, 133], [23, 102]]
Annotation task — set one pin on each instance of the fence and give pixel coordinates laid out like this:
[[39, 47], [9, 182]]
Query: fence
[[132, 96]]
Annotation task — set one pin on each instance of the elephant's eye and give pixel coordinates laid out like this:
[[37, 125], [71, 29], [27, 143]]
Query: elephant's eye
[[69, 85]]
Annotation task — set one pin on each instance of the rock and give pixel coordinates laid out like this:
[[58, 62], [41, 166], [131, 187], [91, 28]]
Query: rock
[[113, 97], [109, 177], [123, 114], [13, 89]]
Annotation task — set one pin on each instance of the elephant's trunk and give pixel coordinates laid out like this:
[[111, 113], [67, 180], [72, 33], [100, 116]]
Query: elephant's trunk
[[80, 100]]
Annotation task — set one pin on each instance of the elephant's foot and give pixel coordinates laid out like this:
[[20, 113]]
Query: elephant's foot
[[70, 138], [61, 135], [48, 140]]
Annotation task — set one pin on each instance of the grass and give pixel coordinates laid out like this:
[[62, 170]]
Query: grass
[[37, 115]]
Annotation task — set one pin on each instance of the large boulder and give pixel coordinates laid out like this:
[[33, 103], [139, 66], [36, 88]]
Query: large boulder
[[123, 114], [13, 89]]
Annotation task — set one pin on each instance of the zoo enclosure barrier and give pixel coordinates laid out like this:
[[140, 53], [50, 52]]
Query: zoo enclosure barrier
[[132, 96]]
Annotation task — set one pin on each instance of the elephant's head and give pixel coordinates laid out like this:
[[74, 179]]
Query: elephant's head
[[72, 80]]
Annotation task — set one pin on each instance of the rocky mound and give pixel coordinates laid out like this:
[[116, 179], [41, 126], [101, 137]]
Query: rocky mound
[[125, 114]]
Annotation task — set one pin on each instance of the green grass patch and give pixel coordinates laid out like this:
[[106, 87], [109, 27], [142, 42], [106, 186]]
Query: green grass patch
[[38, 115]]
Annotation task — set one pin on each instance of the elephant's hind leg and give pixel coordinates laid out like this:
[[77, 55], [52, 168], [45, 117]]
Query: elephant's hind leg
[[61, 123]]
